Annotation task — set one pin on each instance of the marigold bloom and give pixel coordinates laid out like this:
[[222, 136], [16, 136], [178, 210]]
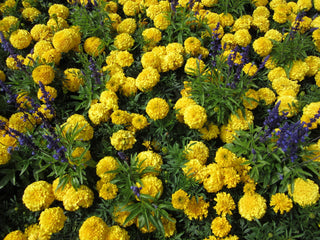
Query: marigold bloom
[[74, 199], [104, 165], [52, 93], [116, 232], [98, 113], [15, 235], [162, 21], [123, 41], [220, 226], [20, 39], [147, 79], [194, 66], [180, 199], [44, 74], [150, 59], [61, 191], [38, 196], [122, 140], [66, 39], [93, 228], [198, 150], [30, 13], [34, 232], [139, 121], [195, 116], [22, 122], [152, 36], [225, 204], [305, 192], [197, 209], [281, 202], [73, 78], [209, 131], [127, 25], [150, 159], [192, 45], [262, 46], [298, 70], [52, 220], [58, 10], [131, 8], [108, 191], [40, 32], [93, 46], [267, 95], [151, 185], [157, 108], [250, 69], [252, 206], [4, 155], [169, 226], [77, 122]]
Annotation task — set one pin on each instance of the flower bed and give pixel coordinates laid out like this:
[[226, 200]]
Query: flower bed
[[159, 120]]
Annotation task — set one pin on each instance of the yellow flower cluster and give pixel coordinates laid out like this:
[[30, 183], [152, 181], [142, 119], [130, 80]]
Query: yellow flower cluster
[[78, 125], [122, 140], [157, 108], [305, 192]]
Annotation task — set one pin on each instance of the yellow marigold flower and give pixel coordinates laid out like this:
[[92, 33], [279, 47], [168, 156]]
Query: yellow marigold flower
[[250, 69], [267, 95], [150, 159], [230, 177], [195, 116], [226, 19], [227, 133], [30, 13], [131, 8], [139, 121], [123, 41], [58, 10], [151, 185], [213, 178], [51, 56], [109, 99], [40, 32], [261, 23], [151, 36], [7, 22], [192, 45], [52, 93], [169, 226], [298, 70], [284, 86], [180, 199], [98, 113], [108, 191], [225, 204], [61, 191], [175, 47], [274, 34], [116, 232], [197, 209], [304, 5], [198, 150], [34, 232], [57, 23], [242, 37], [309, 112], [209, 131], [240, 122], [276, 73], [122, 140], [180, 106], [73, 79], [305, 192], [150, 59], [38, 196], [20, 39], [251, 99], [111, 7], [249, 187], [173, 61], [243, 22], [74, 199], [116, 81], [115, 18], [124, 58], [258, 3], [252, 206], [262, 46], [129, 88], [2, 76], [93, 46], [15, 235], [225, 158], [162, 21], [313, 63], [52, 220], [154, 10], [288, 104], [45, 112], [220, 226], [157, 108], [66, 39], [80, 156], [44, 74], [127, 25], [281, 202], [228, 41], [5, 156], [261, 11], [93, 228], [209, 3], [194, 169], [106, 164], [119, 216], [77, 122], [147, 79], [23, 100], [22, 122], [40, 47], [120, 117]]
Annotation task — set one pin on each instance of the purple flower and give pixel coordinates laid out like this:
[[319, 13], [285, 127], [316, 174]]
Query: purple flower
[[136, 190]]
